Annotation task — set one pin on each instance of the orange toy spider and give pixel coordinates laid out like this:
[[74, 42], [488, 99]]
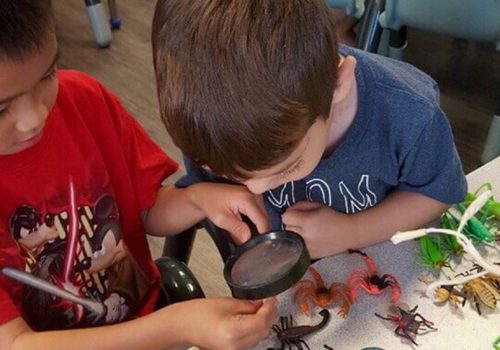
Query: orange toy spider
[[316, 292]]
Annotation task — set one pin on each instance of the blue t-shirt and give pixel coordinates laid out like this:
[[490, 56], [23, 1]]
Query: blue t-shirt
[[400, 139]]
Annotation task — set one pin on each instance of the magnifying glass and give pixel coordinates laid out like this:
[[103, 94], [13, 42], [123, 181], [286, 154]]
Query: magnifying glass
[[265, 265]]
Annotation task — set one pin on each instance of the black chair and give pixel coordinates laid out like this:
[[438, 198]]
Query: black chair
[[180, 246], [177, 280]]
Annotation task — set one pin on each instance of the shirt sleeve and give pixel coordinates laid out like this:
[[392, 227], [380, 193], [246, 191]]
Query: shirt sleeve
[[195, 174], [148, 164], [432, 167]]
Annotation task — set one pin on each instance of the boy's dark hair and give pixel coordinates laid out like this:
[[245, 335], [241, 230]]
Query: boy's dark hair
[[24, 25], [240, 82]]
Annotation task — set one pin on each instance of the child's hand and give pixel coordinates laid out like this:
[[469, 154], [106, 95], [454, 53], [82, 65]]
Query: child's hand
[[324, 230], [225, 323], [224, 204]]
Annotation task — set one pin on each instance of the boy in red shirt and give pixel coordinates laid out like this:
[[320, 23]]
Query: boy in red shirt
[[80, 184]]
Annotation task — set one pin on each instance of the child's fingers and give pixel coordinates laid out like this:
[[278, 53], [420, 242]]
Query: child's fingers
[[246, 306], [269, 308], [257, 326], [258, 215], [293, 217], [296, 229], [238, 229], [305, 205]]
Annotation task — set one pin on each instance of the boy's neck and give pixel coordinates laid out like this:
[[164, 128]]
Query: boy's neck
[[341, 118]]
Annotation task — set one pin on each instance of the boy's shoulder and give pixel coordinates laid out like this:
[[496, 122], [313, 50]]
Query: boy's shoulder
[[79, 91], [83, 99], [74, 83], [391, 77]]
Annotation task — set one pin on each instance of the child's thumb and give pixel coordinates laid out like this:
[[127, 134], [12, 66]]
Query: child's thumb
[[247, 306]]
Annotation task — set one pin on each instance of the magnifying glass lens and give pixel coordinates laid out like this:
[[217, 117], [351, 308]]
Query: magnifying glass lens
[[265, 263]]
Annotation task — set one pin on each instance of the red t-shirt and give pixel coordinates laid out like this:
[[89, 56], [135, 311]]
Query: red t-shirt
[[71, 231]]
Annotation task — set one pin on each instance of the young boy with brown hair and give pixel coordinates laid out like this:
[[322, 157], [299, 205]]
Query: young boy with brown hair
[[81, 185], [347, 147]]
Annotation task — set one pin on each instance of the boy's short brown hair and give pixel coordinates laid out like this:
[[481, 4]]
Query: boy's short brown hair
[[24, 25], [240, 82]]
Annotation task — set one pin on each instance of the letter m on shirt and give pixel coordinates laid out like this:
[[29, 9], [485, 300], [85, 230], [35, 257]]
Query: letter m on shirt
[[283, 197], [363, 199]]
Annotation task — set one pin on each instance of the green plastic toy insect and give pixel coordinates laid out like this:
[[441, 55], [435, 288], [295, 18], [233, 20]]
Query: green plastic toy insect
[[491, 206], [432, 253], [450, 242], [496, 343], [475, 228]]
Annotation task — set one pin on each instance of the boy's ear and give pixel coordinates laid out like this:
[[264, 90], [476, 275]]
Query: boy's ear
[[345, 79]]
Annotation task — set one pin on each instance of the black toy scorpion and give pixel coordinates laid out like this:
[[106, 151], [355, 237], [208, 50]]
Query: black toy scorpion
[[291, 335]]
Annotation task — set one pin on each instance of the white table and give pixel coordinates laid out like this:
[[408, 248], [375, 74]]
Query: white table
[[457, 329]]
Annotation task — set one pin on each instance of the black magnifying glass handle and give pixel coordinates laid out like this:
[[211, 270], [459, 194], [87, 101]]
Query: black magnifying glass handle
[[253, 229]]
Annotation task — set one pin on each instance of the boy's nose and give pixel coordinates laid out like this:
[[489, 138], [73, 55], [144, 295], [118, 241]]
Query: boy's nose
[[255, 187], [32, 116]]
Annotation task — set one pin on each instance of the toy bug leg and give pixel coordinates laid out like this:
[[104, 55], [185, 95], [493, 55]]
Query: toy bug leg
[[281, 348], [369, 262], [284, 322], [276, 328], [394, 284], [356, 280], [402, 333], [426, 322], [476, 302], [317, 278], [303, 342], [341, 292], [384, 318]]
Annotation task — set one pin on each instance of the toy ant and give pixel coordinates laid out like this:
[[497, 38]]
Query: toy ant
[[370, 281], [407, 322]]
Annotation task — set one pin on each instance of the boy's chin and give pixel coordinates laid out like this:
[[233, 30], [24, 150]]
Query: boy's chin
[[23, 145]]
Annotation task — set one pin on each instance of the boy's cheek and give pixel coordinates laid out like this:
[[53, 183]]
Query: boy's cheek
[[51, 95]]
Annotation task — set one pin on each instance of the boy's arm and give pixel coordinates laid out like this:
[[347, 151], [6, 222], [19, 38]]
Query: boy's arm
[[177, 209], [401, 211], [16, 334], [327, 231], [216, 323]]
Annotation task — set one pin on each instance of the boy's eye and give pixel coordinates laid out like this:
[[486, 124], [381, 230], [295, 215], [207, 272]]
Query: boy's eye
[[50, 74], [3, 110], [292, 170]]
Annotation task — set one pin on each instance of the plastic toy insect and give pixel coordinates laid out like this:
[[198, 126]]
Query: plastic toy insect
[[491, 205], [320, 295], [408, 322], [475, 228], [496, 344], [443, 294], [370, 281], [290, 335], [493, 280], [431, 253], [481, 291], [450, 243], [449, 293]]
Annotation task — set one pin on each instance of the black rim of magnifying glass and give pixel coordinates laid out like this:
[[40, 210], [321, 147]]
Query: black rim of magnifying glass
[[266, 290]]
